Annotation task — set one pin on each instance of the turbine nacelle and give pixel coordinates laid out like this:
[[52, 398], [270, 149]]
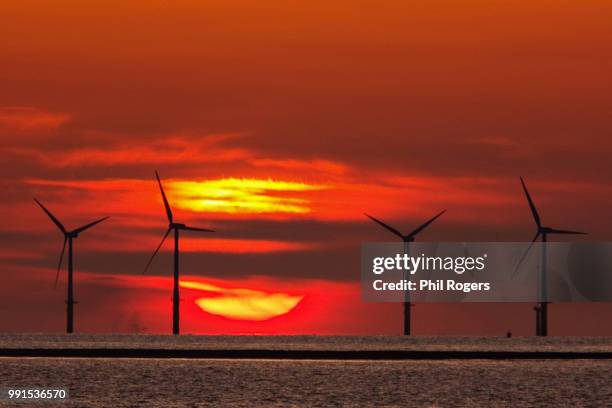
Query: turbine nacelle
[[408, 237], [549, 230], [183, 227]]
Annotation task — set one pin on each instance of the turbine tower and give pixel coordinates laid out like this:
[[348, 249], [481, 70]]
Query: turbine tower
[[176, 227], [406, 239], [68, 237], [541, 231]]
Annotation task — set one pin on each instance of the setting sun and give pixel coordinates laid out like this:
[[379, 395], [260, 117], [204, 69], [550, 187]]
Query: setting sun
[[243, 304]]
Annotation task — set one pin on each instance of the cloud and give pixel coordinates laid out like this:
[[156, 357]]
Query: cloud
[[170, 149], [26, 119], [192, 242], [243, 196], [222, 197], [328, 167], [255, 198]]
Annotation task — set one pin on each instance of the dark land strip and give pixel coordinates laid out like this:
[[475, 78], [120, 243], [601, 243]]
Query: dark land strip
[[303, 354]]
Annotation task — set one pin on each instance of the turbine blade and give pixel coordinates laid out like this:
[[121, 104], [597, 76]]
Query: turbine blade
[[157, 250], [91, 224], [559, 231], [422, 227], [388, 227], [55, 220], [59, 264], [518, 265], [196, 229], [166, 205], [534, 211]]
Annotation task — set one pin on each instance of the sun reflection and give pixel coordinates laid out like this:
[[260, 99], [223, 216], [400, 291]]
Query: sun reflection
[[241, 303], [242, 195]]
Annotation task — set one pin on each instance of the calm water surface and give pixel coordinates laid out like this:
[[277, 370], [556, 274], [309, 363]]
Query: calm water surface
[[248, 383], [265, 383]]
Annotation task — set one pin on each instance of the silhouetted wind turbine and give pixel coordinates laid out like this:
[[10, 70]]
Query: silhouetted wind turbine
[[68, 237], [542, 231], [406, 239], [176, 227]]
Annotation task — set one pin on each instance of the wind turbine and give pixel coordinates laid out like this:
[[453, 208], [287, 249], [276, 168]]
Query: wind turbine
[[176, 227], [68, 237], [406, 239], [542, 309]]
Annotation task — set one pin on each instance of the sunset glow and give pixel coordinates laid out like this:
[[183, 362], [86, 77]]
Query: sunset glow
[[234, 195]]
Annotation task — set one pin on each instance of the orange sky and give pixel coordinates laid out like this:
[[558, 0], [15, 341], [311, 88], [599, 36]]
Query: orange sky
[[278, 124]]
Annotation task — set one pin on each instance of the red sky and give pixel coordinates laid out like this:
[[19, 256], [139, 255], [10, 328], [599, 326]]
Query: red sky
[[278, 124]]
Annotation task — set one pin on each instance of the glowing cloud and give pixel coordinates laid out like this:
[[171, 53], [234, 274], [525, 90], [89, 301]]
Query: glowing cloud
[[242, 195], [243, 304], [243, 246], [116, 242], [24, 118]]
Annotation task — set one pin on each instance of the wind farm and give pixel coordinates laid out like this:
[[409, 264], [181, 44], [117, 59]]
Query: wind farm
[[69, 236], [406, 239], [245, 300], [176, 228]]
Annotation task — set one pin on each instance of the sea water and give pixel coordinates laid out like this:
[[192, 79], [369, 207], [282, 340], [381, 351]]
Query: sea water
[[263, 383]]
